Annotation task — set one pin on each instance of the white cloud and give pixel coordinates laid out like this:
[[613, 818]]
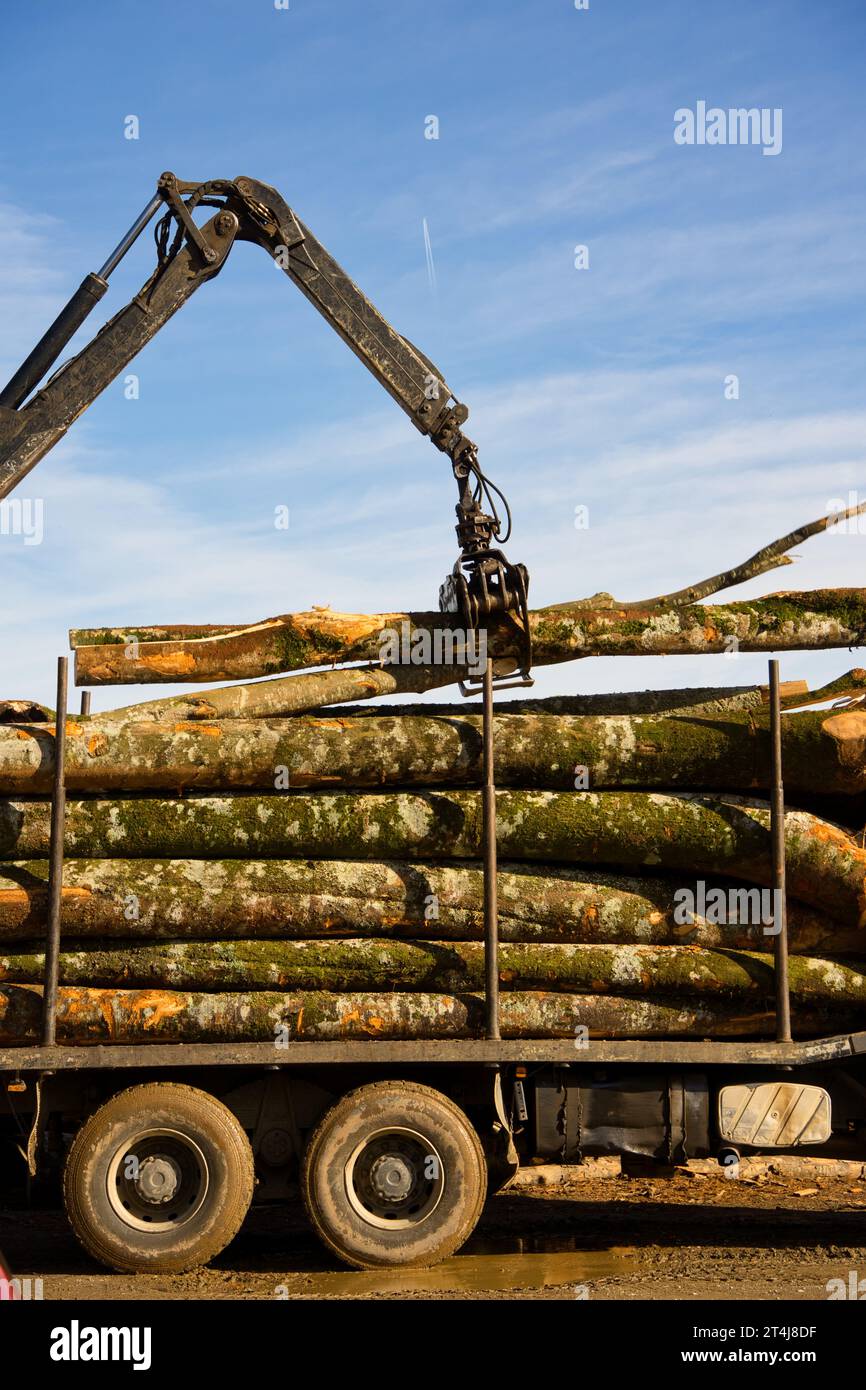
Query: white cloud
[[31, 281], [678, 496]]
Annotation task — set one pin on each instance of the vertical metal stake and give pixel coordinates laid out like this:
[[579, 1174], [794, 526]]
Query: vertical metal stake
[[777, 831], [85, 702], [55, 861], [491, 904]]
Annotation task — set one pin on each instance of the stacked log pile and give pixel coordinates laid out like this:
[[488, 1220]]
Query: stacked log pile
[[263, 863]]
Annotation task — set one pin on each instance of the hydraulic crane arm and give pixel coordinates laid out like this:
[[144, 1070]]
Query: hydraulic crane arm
[[483, 584]]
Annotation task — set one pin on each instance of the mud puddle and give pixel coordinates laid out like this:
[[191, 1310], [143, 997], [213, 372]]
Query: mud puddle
[[494, 1266]]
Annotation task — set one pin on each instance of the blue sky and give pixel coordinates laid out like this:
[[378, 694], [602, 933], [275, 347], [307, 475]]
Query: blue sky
[[601, 387]]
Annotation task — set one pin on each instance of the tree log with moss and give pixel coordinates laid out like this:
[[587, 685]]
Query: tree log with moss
[[185, 899], [685, 701], [816, 620], [674, 622], [823, 751], [299, 693], [687, 835], [450, 967], [160, 1015]]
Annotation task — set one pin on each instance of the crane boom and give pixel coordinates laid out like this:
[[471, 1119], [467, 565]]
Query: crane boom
[[483, 584]]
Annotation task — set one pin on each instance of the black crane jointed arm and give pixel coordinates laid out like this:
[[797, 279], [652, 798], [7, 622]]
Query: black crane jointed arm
[[483, 585]]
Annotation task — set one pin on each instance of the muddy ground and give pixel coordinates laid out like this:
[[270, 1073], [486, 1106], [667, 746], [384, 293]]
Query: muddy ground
[[689, 1236]]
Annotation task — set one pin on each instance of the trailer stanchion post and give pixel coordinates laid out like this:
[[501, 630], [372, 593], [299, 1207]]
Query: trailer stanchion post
[[777, 832], [55, 861], [491, 904]]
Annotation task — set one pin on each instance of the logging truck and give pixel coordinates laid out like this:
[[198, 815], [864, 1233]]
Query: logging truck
[[394, 1144], [162, 1147]]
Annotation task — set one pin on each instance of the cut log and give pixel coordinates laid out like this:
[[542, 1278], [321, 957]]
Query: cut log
[[122, 899], [290, 694], [311, 691], [820, 619], [24, 711], [297, 640], [308, 691], [730, 752], [287, 695], [453, 967], [158, 1015], [688, 701], [688, 835]]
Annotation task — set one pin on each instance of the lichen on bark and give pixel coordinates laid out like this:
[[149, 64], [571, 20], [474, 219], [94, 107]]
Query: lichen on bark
[[160, 1015], [359, 965]]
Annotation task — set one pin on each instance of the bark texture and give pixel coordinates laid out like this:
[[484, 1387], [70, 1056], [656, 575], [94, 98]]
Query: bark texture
[[28, 711], [691, 700], [370, 967], [187, 899], [299, 693], [728, 752], [159, 1015], [823, 618], [687, 835], [290, 694]]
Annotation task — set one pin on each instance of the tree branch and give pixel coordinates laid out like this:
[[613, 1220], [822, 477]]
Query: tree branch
[[769, 557]]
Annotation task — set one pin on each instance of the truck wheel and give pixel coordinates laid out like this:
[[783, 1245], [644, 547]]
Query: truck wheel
[[394, 1174], [158, 1180]]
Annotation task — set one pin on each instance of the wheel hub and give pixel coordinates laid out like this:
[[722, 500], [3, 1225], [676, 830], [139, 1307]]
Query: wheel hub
[[394, 1178], [391, 1177], [158, 1178]]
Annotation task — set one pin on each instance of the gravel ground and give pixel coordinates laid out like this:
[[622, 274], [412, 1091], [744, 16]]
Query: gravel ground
[[695, 1235]]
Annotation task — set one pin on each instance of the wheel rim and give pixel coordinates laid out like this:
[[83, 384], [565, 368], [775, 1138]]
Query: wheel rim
[[395, 1178], [158, 1181]]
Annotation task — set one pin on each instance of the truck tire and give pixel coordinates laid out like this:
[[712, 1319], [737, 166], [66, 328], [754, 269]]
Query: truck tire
[[394, 1174], [158, 1180]]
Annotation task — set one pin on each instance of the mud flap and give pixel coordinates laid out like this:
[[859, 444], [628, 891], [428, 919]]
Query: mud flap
[[30, 1154], [503, 1125]]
